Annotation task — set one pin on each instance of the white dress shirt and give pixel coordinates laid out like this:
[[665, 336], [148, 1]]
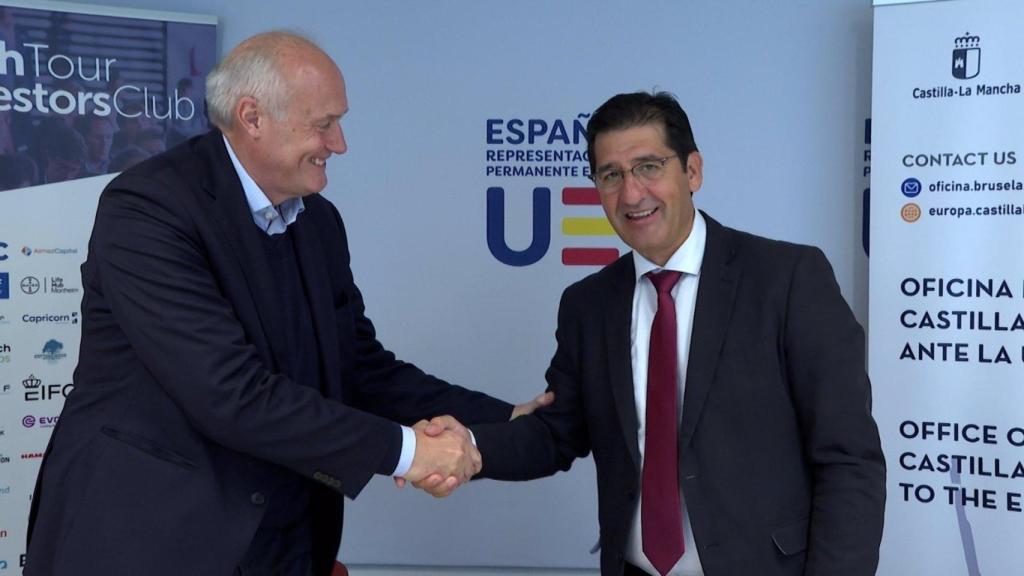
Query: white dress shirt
[[687, 259]]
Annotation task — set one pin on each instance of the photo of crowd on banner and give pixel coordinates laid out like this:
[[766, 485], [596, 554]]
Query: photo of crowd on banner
[[43, 146]]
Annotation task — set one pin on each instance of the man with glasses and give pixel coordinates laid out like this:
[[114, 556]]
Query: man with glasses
[[717, 377]]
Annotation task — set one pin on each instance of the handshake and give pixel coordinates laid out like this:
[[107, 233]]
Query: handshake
[[446, 456]]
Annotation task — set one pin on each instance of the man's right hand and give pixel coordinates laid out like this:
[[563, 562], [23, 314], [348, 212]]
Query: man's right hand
[[442, 461]]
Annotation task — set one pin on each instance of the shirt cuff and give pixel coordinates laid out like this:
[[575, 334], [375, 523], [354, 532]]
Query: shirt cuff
[[408, 452]]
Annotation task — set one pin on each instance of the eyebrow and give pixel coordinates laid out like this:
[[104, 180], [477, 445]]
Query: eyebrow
[[334, 116], [635, 161], [327, 118]]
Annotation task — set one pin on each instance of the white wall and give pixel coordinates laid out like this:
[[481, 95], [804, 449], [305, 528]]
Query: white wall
[[778, 93]]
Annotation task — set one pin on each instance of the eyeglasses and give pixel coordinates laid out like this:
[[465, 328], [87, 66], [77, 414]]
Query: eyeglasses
[[612, 179]]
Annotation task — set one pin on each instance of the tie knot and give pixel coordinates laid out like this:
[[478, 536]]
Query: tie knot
[[664, 281]]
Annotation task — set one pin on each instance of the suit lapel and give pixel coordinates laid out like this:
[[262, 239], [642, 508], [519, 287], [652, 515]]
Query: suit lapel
[[231, 211], [716, 293], [620, 364], [312, 264]]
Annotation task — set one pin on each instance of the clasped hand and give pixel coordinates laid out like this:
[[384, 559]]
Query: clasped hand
[[445, 457]]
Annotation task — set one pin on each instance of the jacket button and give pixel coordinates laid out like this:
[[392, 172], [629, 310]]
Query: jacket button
[[258, 498]]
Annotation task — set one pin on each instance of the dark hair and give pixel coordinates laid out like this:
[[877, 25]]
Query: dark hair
[[55, 139], [85, 123], [145, 135], [127, 157], [639, 109], [16, 171]]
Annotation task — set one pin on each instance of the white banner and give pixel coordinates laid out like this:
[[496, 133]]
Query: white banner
[[947, 283], [85, 92]]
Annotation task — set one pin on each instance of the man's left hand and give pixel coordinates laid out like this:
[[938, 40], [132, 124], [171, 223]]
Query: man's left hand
[[541, 401]]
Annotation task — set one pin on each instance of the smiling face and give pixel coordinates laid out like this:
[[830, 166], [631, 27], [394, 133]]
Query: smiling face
[[287, 156], [654, 217]]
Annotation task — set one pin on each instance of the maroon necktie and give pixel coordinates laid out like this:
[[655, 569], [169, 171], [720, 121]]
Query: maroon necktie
[[661, 511]]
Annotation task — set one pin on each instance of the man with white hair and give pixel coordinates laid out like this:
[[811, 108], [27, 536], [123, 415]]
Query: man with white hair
[[230, 389]]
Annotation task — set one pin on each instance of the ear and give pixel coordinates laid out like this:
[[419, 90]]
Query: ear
[[249, 116], [694, 171]]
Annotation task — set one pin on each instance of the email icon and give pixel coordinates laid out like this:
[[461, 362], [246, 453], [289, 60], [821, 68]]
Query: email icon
[[911, 187]]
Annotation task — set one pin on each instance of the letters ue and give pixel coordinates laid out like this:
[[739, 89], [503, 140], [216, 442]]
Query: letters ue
[[540, 240]]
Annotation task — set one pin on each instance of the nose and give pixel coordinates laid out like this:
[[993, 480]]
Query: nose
[[633, 190], [336, 139]]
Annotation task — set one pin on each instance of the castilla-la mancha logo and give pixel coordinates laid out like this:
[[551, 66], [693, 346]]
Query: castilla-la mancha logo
[[966, 56]]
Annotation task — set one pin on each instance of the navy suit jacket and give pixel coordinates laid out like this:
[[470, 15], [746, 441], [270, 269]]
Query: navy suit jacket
[[180, 425], [779, 457]]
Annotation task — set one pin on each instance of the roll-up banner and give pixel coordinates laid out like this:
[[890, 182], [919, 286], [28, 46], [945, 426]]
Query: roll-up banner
[[946, 304], [85, 92]]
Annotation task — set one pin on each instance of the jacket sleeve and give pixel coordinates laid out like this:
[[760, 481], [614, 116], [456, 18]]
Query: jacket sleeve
[[825, 363], [152, 269], [550, 439]]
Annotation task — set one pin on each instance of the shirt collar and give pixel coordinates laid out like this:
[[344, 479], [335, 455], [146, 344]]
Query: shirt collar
[[264, 214], [686, 259]]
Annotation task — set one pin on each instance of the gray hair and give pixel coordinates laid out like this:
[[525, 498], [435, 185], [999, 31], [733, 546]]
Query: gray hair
[[252, 69]]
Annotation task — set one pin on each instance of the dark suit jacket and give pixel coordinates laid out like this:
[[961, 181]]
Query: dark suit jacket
[[780, 461], [180, 426]]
